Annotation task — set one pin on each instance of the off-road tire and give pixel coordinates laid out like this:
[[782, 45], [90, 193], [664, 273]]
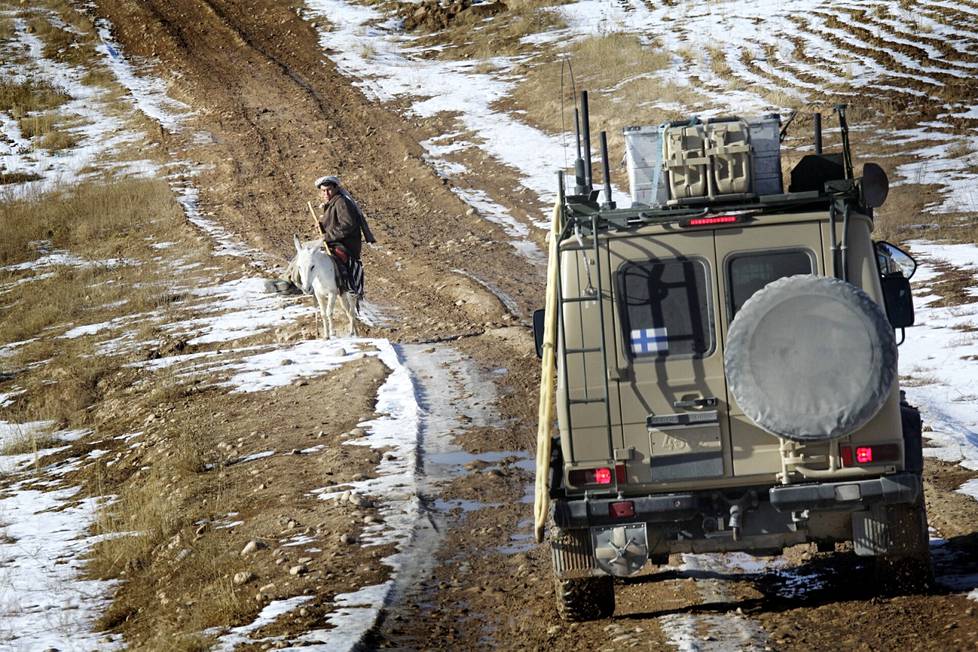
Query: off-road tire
[[909, 571], [585, 598], [810, 358]]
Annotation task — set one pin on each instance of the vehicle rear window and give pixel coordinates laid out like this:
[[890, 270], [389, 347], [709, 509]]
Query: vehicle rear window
[[749, 272], [665, 308]]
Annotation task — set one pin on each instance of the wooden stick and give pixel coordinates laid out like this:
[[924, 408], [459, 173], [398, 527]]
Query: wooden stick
[[314, 218], [319, 227]]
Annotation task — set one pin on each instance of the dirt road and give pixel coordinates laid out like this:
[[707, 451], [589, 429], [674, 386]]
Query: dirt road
[[280, 115]]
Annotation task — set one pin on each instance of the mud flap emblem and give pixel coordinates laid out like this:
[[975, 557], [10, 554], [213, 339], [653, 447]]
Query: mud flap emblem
[[620, 550]]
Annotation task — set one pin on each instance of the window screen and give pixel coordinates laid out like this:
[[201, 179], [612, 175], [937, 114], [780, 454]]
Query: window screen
[[665, 308], [750, 272]]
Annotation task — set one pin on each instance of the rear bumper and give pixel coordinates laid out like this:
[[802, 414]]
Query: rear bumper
[[678, 507], [662, 508], [846, 496]]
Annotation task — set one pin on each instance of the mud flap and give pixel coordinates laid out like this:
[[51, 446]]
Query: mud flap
[[620, 550], [571, 553], [886, 530]]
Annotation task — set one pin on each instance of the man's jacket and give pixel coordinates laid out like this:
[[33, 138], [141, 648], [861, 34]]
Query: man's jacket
[[343, 222]]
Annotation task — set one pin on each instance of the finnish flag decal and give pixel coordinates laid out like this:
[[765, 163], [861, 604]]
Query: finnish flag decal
[[647, 341]]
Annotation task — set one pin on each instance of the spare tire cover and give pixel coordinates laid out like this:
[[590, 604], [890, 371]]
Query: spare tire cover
[[810, 358]]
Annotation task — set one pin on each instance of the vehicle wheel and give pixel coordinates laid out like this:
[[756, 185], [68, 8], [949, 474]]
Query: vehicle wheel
[[909, 570], [585, 598]]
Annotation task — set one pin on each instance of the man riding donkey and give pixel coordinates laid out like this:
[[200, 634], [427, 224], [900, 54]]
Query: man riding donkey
[[341, 224]]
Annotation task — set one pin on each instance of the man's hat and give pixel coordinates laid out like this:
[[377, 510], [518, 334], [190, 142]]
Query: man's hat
[[322, 181]]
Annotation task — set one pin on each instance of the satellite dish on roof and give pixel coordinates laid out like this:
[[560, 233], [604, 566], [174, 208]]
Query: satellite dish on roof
[[875, 185]]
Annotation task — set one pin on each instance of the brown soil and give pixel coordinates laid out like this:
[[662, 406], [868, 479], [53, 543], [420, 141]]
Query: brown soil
[[280, 116]]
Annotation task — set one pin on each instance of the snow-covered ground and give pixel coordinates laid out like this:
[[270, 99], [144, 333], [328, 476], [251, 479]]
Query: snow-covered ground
[[387, 65], [939, 358], [43, 523], [939, 354], [98, 130]]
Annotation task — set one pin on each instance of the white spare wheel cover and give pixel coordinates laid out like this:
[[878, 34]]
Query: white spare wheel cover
[[810, 358]]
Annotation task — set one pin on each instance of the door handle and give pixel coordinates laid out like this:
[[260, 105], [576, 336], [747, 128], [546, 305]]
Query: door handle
[[707, 402]]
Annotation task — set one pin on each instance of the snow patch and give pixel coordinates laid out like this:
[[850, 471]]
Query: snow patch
[[941, 357], [269, 614], [45, 604]]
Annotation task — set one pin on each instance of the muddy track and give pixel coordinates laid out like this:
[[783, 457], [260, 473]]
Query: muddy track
[[279, 116]]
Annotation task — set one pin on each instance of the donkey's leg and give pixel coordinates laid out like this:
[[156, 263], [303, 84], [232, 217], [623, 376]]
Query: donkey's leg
[[349, 302], [330, 302], [324, 315]]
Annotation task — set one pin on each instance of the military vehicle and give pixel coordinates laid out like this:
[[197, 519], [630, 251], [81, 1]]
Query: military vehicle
[[726, 362]]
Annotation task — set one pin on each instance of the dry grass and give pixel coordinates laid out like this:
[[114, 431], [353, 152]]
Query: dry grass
[[69, 13], [69, 386], [58, 140], [45, 131], [19, 99], [155, 522], [902, 218], [75, 45], [6, 28], [523, 19], [98, 76], [57, 41], [100, 219], [36, 125], [95, 222], [148, 513], [603, 62], [7, 178], [79, 386], [617, 70], [474, 36], [718, 63]]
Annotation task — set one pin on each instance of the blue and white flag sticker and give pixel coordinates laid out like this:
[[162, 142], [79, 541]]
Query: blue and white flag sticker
[[646, 341]]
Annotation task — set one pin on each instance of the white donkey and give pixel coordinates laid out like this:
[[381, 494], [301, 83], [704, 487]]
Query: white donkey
[[314, 272]]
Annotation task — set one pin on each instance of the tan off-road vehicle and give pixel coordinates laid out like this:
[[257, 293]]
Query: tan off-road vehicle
[[726, 363]]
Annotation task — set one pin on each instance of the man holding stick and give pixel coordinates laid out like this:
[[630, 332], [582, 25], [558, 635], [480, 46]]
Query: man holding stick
[[342, 224]]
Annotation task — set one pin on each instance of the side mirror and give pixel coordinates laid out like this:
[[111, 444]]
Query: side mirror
[[897, 300], [538, 331], [894, 260]]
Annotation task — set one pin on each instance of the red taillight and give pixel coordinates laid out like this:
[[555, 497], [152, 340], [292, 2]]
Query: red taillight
[[601, 476], [851, 456], [710, 220], [621, 509]]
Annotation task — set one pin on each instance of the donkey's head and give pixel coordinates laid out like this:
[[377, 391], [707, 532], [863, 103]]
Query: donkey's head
[[304, 264]]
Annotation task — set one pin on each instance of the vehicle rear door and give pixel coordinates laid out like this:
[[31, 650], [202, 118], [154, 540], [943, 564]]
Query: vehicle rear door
[[745, 265], [669, 377]]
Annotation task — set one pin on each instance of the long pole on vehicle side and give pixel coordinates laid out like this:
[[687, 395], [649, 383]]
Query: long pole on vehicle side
[[548, 369]]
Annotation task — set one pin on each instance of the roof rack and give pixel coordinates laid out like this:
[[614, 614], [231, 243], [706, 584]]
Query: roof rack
[[818, 181]]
